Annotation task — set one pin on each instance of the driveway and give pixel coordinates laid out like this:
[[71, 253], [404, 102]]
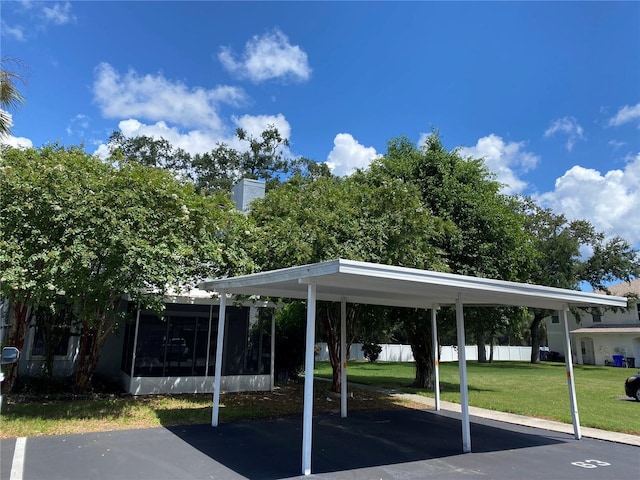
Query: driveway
[[400, 444]]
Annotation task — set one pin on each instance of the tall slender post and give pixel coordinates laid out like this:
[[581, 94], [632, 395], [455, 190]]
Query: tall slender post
[[343, 358], [135, 346], [206, 366], [307, 417], [436, 367], [273, 349], [462, 366], [573, 402], [219, 348]]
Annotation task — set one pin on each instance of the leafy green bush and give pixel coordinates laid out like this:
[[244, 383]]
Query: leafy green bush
[[371, 351]]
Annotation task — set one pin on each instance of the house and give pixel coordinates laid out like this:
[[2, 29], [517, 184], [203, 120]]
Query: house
[[603, 336], [176, 353]]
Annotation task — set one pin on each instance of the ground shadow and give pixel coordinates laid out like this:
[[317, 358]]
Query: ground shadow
[[272, 449]]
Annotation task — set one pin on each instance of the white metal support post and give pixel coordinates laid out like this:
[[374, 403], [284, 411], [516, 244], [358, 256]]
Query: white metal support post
[[206, 367], [462, 366], [135, 346], [219, 348], [307, 416], [436, 368], [343, 358], [573, 402], [273, 349]]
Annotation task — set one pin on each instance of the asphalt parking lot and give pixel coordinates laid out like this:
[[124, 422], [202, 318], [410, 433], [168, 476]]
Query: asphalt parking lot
[[405, 444]]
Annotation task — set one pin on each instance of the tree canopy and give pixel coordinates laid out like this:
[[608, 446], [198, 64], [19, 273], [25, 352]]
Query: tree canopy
[[76, 228], [359, 218], [568, 253]]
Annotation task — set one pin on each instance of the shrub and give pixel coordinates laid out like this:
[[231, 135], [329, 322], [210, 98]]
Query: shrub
[[371, 351]]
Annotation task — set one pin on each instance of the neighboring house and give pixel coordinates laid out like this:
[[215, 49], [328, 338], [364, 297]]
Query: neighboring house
[[175, 354], [603, 337]]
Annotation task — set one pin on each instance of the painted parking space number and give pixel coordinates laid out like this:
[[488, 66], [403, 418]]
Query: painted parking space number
[[591, 464]]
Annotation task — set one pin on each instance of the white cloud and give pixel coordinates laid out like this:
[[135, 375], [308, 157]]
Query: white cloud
[[505, 159], [78, 125], [254, 125], [616, 144], [611, 201], [348, 155], [625, 115], [34, 18], [16, 32], [16, 142], [267, 57], [200, 140], [59, 14], [567, 126], [194, 141], [155, 98], [8, 139]]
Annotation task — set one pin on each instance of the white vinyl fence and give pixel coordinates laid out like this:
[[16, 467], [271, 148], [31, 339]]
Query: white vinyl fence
[[448, 353]]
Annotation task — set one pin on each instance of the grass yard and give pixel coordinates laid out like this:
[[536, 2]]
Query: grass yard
[[57, 417], [517, 387], [538, 390]]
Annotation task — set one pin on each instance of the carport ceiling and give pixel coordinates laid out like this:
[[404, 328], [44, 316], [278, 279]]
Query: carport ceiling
[[375, 284]]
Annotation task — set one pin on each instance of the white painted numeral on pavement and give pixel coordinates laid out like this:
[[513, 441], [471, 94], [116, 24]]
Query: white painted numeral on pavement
[[591, 464]]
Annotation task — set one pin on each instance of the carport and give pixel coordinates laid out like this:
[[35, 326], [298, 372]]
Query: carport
[[369, 283]]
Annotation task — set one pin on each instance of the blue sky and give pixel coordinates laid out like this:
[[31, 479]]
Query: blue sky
[[547, 93]]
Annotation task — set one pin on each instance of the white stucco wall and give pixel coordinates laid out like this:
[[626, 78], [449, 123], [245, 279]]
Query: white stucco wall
[[594, 347]]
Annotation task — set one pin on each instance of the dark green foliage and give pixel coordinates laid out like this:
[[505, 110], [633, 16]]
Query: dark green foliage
[[371, 351], [290, 340]]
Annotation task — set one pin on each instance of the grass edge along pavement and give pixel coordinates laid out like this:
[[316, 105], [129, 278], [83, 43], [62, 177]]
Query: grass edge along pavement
[[533, 390], [522, 388], [66, 416]]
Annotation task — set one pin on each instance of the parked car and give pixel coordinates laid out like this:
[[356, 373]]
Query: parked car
[[632, 386]]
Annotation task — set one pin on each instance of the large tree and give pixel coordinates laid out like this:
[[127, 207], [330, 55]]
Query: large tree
[[80, 233], [569, 253], [483, 235], [218, 170], [359, 218]]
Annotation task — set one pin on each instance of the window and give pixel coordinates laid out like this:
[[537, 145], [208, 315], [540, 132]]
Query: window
[[59, 335], [555, 318], [183, 342], [596, 315]]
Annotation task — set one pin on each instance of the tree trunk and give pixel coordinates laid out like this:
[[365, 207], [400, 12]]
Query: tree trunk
[[424, 369], [534, 329], [331, 327], [492, 341], [21, 320], [422, 350], [92, 339], [482, 349]]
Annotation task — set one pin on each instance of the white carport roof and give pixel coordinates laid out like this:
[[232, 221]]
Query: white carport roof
[[376, 284], [368, 283]]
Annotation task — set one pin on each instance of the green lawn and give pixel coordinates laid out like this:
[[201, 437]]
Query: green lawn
[[538, 390]]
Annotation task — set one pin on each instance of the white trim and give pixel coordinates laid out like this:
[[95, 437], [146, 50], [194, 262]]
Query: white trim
[[368, 283]]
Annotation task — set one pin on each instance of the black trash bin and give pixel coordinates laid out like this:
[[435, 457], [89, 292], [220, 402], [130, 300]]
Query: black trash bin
[[631, 362]]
